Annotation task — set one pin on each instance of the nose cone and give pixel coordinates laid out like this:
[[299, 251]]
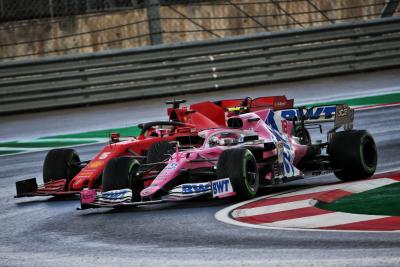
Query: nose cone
[[78, 184], [149, 191]]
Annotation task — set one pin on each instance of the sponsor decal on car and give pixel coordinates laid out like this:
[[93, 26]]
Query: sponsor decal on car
[[87, 171], [171, 166], [277, 137], [195, 188], [222, 188], [116, 196], [96, 164], [104, 155], [191, 189], [309, 114]]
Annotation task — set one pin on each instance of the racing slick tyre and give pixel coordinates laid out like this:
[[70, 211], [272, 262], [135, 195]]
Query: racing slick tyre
[[120, 173], [353, 155], [61, 163], [240, 166], [159, 152]]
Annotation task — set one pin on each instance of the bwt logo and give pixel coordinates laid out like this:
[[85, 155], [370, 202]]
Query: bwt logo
[[220, 186], [309, 114]]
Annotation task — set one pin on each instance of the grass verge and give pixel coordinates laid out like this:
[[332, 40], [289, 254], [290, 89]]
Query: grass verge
[[383, 200]]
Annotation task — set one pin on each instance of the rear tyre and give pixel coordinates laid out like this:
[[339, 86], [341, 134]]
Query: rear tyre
[[240, 166], [353, 155], [159, 152], [61, 163], [119, 173]]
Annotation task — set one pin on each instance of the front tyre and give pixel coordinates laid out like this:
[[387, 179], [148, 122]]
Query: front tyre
[[120, 173], [240, 166], [61, 163], [353, 155]]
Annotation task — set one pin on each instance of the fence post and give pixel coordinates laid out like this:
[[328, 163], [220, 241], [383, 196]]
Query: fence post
[[51, 8], [153, 15], [389, 8], [2, 12]]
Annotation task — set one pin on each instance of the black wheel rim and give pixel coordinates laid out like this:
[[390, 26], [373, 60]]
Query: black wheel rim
[[251, 178]]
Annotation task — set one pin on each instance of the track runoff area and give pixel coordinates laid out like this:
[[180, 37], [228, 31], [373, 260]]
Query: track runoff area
[[102, 136]]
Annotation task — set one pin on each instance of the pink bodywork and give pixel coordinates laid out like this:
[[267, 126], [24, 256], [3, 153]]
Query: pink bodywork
[[253, 124]]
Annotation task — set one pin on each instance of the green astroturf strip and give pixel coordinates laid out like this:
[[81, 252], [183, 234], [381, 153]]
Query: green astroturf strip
[[366, 101], [9, 152], [383, 200], [126, 131], [34, 144]]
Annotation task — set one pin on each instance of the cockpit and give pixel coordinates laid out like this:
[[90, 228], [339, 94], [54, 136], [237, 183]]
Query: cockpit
[[224, 138]]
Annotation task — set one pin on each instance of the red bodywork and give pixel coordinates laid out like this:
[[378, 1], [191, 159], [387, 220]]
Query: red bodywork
[[197, 117]]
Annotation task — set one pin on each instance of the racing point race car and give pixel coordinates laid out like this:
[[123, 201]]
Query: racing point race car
[[65, 174], [256, 149]]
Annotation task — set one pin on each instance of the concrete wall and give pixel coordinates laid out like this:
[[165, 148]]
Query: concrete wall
[[86, 33], [94, 32]]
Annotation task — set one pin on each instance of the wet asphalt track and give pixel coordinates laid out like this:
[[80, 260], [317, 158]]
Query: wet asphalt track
[[122, 114], [50, 232]]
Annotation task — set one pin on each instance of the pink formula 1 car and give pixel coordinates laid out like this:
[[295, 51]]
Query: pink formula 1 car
[[255, 149], [64, 173]]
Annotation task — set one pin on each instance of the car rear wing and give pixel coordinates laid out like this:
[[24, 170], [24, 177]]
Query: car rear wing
[[341, 115], [274, 102]]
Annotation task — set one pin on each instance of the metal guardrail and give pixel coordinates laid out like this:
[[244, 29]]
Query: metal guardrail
[[163, 70]]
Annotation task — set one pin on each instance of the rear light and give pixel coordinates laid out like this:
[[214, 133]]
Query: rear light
[[114, 137]]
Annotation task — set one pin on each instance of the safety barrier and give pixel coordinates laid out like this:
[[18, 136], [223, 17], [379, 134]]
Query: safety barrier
[[162, 70]]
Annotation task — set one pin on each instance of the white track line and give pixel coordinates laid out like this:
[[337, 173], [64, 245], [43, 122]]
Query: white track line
[[324, 220], [351, 96], [271, 208], [366, 185], [45, 140], [28, 149]]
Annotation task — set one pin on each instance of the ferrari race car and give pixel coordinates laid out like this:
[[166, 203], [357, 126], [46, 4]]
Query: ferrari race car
[[255, 149], [65, 174]]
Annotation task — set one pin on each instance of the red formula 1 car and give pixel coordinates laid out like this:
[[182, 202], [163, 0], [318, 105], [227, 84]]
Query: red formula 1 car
[[65, 174], [256, 149]]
